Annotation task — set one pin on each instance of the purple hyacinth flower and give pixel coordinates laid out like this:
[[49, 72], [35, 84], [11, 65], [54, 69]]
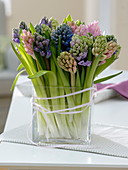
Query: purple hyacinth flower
[[46, 42], [115, 52], [16, 40], [22, 27], [42, 53], [88, 63], [72, 43], [36, 49], [84, 63], [45, 21], [82, 56], [48, 54], [15, 35], [41, 45]]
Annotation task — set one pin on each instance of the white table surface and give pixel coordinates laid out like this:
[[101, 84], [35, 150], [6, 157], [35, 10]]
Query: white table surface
[[19, 155]]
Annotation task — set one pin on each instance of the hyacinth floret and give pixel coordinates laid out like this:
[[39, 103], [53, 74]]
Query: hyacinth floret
[[41, 45], [41, 29], [67, 62], [99, 46], [111, 38], [78, 22], [85, 63], [63, 32], [15, 35], [89, 40], [45, 28], [117, 52], [38, 29], [54, 23], [46, 21], [28, 39], [23, 25], [82, 59]]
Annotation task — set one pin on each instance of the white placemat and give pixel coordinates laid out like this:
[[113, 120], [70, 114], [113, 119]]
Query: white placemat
[[106, 140]]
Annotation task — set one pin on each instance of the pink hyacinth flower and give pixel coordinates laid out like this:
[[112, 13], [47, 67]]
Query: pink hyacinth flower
[[102, 62], [28, 39], [72, 25], [110, 53], [81, 30], [94, 29]]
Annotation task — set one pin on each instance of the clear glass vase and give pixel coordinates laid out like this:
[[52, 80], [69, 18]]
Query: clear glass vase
[[62, 115]]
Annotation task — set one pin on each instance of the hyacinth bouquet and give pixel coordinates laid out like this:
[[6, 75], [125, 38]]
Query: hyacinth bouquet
[[63, 61]]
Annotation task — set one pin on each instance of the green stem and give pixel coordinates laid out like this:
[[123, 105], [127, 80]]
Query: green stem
[[58, 103], [70, 100], [73, 84], [41, 92], [82, 76], [89, 67], [47, 63], [59, 46], [89, 78], [91, 73], [77, 117], [38, 83], [65, 83], [87, 95], [62, 105]]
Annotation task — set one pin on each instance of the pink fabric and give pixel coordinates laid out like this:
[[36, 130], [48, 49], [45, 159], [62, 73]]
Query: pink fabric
[[121, 88]]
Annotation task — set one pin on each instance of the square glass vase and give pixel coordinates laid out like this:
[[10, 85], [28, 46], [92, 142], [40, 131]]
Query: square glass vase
[[62, 115]]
